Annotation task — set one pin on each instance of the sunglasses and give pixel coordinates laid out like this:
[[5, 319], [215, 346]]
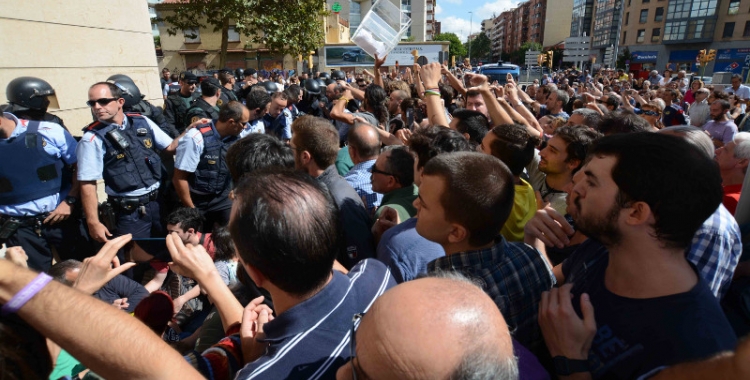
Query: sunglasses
[[101, 102], [374, 170], [650, 113]]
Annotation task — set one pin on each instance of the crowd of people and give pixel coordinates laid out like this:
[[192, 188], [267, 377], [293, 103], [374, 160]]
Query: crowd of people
[[413, 223]]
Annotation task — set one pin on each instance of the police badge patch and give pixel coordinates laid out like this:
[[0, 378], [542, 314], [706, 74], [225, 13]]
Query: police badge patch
[[44, 143], [194, 119], [147, 143], [219, 103]]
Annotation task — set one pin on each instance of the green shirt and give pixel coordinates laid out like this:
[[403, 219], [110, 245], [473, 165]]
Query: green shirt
[[344, 161], [401, 200]]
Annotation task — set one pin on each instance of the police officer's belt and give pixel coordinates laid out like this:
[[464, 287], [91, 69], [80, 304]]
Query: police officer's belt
[[131, 203], [26, 221]]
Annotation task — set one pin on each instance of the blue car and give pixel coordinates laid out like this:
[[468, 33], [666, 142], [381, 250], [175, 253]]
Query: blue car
[[499, 72]]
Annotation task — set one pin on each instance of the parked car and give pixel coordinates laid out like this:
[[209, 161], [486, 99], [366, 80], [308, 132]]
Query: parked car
[[355, 55]]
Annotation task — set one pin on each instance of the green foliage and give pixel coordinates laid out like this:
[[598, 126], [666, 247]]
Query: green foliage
[[283, 27], [456, 48], [622, 57], [480, 46], [519, 56]]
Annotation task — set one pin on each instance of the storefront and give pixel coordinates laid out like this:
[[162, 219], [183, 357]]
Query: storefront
[[732, 60], [683, 60], [642, 62]]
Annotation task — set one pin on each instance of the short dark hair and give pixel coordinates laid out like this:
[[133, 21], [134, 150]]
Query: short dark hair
[[428, 142], [292, 93], [478, 194], [225, 77], [400, 163], [622, 121], [364, 147], [279, 95], [287, 227], [473, 93], [257, 151], [473, 123], [113, 89], [257, 99], [187, 218], [723, 103], [579, 139], [513, 146], [679, 183], [231, 110], [59, 270], [318, 137], [223, 245]]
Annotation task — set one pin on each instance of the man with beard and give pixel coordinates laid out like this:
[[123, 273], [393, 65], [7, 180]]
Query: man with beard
[[721, 128], [633, 269]]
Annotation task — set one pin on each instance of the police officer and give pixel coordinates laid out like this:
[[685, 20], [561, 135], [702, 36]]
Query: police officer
[[29, 98], [177, 105], [227, 88], [257, 102], [172, 87], [205, 107], [33, 212], [124, 151], [135, 103], [311, 103], [201, 175]]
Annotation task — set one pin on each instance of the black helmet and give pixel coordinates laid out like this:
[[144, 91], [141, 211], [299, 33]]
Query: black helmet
[[312, 86], [322, 83], [338, 75], [120, 77], [239, 74], [270, 87], [130, 91], [328, 81], [32, 93], [324, 75]]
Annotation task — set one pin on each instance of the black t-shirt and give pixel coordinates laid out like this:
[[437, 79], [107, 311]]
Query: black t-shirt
[[635, 336]]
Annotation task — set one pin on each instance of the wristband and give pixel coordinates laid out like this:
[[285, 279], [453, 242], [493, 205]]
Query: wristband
[[28, 291], [431, 92], [343, 98], [436, 89]]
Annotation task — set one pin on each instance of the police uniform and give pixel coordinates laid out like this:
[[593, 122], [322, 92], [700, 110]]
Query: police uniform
[[156, 115], [227, 95], [30, 189], [131, 169], [176, 107], [29, 114], [281, 126], [202, 152], [200, 109], [255, 126]]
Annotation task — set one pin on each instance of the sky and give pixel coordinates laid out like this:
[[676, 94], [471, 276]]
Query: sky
[[455, 18]]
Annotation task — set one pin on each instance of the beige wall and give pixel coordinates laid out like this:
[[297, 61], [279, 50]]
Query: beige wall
[[557, 21], [73, 44]]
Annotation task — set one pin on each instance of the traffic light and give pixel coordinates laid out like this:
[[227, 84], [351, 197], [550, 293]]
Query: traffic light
[[550, 55], [711, 55], [540, 59]]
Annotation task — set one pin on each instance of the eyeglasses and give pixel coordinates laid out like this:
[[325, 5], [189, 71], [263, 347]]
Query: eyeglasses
[[650, 113], [101, 102], [374, 170], [353, 344]]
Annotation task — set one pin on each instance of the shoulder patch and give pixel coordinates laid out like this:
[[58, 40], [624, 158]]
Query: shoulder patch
[[93, 126], [219, 102]]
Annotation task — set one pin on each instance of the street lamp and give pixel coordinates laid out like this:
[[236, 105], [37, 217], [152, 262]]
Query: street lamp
[[471, 20]]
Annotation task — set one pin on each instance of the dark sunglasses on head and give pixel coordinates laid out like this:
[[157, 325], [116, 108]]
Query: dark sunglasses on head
[[650, 113], [191, 82], [101, 102]]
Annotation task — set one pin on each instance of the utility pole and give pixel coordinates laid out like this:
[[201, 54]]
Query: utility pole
[[471, 20]]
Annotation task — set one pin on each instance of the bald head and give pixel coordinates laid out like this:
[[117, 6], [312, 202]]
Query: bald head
[[364, 143], [402, 334]]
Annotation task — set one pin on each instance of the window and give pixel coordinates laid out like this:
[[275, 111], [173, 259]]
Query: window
[[641, 35], [728, 30], [734, 7], [355, 16], [746, 32], [644, 16], [232, 35], [659, 14], [703, 8], [655, 33], [627, 18], [646, 1], [624, 38], [192, 36]]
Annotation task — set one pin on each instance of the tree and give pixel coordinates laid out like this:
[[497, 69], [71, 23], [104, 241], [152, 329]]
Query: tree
[[622, 57], [519, 56], [456, 48], [480, 46], [293, 29]]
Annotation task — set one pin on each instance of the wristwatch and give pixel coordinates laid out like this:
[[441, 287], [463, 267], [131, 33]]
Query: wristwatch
[[71, 200], [565, 366]]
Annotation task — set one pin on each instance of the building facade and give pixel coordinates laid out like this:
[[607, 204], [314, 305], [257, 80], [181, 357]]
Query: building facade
[[557, 22], [669, 33], [421, 12], [513, 28]]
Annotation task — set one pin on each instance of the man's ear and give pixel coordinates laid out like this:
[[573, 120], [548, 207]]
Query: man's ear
[[743, 163], [255, 275], [305, 157], [458, 233], [572, 163], [190, 231], [638, 213]]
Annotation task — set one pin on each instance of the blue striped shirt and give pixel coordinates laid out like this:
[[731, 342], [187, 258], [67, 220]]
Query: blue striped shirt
[[359, 178]]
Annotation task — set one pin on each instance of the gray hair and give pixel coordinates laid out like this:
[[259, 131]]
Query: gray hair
[[695, 136], [481, 364], [591, 118], [742, 148]]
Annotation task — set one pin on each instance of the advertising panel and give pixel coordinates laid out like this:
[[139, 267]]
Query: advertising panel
[[355, 56]]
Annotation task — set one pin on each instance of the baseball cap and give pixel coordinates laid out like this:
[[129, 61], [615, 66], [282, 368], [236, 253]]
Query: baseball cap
[[209, 82], [187, 76]]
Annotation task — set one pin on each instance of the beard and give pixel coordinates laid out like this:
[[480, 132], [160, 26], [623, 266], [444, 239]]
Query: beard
[[603, 228]]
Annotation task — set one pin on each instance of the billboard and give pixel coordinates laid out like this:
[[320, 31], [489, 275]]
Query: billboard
[[355, 56]]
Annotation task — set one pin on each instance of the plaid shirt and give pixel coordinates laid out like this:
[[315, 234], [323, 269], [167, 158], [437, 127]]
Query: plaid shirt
[[359, 178], [716, 248], [514, 275]]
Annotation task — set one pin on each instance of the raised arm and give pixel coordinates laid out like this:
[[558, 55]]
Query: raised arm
[[532, 125], [430, 75], [378, 78], [338, 111], [454, 82]]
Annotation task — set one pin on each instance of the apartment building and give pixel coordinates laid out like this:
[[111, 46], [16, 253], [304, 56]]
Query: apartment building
[[557, 22], [669, 33], [512, 28]]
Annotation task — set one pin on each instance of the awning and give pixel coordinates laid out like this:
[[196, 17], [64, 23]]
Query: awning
[[192, 51], [644, 56], [683, 56]]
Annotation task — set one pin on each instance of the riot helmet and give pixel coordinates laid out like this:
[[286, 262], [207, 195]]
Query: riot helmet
[[31, 93], [324, 75], [312, 86], [130, 91], [120, 77], [270, 87], [239, 74], [338, 75]]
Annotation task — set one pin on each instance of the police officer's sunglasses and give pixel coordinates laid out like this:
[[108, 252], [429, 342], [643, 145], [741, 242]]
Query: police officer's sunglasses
[[101, 102]]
